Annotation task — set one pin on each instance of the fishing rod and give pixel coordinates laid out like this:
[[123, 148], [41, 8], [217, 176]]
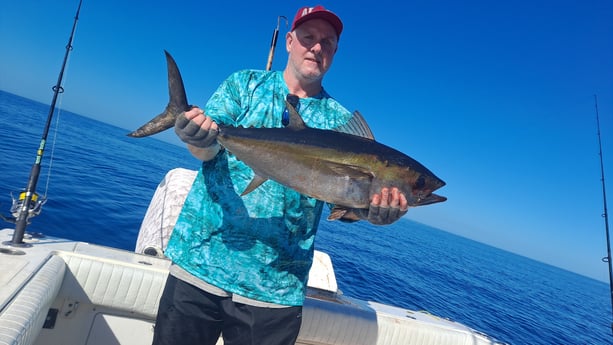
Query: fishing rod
[[273, 44], [29, 202], [605, 213]]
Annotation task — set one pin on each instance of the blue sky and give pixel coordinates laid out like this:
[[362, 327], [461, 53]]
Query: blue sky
[[496, 98]]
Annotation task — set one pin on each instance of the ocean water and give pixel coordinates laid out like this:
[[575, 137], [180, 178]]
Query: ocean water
[[101, 181]]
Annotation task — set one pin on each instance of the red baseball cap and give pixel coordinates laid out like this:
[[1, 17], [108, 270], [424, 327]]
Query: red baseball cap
[[318, 12]]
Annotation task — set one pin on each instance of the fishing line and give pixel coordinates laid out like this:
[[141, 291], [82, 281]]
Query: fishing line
[[57, 119], [53, 142]]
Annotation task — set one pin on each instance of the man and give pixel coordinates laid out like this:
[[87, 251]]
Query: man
[[240, 263]]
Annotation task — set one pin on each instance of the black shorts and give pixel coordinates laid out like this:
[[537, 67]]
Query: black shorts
[[188, 315]]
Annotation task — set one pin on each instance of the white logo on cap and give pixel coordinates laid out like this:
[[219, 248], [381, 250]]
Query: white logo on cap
[[306, 11]]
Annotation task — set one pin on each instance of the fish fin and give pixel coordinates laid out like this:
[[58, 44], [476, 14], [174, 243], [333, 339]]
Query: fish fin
[[356, 125], [347, 215], [296, 122], [176, 105], [337, 212], [255, 183]]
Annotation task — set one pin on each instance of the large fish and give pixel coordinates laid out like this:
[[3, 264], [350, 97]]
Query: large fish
[[336, 167]]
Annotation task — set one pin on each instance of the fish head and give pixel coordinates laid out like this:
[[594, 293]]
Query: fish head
[[422, 190]]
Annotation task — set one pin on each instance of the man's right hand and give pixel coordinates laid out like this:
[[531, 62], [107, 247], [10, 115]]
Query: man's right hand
[[195, 128]]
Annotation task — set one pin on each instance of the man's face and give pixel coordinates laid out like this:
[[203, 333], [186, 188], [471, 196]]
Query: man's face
[[311, 48]]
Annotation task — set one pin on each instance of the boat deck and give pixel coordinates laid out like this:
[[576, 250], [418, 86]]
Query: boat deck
[[58, 291]]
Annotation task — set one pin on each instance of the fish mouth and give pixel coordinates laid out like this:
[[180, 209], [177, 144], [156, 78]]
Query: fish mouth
[[428, 200], [424, 196]]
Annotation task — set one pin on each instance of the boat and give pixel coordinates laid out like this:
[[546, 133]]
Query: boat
[[59, 291]]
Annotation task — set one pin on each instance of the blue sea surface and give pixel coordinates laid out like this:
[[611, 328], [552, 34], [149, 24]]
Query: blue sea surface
[[101, 181]]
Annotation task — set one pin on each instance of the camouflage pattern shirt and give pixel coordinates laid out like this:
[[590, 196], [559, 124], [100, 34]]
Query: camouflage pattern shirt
[[260, 245]]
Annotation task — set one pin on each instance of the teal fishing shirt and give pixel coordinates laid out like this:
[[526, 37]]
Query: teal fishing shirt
[[260, 245]]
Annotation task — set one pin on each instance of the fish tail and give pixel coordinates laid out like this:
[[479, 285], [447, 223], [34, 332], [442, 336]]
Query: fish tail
[[176, 105]]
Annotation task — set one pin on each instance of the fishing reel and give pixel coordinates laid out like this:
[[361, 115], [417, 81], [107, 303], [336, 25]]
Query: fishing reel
[[34, 208]]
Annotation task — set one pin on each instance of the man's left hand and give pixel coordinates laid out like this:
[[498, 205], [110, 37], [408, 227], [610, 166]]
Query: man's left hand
[[387, 207]]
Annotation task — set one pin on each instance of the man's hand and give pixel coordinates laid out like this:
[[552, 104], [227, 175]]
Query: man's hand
[[387, 207], [195, 128]]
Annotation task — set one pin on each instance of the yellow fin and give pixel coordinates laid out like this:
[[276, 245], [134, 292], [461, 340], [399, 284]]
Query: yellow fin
[[255, 183]]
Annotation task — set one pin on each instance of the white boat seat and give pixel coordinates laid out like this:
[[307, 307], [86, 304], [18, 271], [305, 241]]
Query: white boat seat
[[106, 297], [113, 284]]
